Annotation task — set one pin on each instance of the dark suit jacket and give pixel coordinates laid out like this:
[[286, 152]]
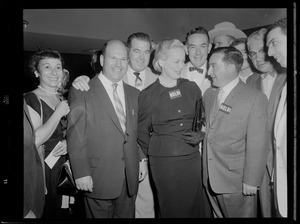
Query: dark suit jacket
[[34, 196], [235, 149], [256, 82], [97, 145]]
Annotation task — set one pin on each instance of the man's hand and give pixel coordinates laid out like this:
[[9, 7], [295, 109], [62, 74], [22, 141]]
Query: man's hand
[[85, 183], [81, 83], [193, 138], [249, 190], [143, 170]]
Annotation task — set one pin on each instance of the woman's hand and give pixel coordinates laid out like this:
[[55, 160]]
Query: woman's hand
[[193, 138], [61, 149], [63, 108]]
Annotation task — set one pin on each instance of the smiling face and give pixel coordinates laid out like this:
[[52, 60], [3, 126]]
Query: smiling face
[[219, 71], [173, 65], [277, 46], [139, 54], [198, 47], [50, 72], [115, 61]]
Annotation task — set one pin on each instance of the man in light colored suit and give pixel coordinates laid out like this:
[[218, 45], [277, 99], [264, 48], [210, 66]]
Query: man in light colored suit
[[277, 48], [235, 151], [102, 139], [270, 82], [140, 76]]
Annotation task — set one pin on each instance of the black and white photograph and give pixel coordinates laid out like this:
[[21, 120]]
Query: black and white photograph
[[150, 114]]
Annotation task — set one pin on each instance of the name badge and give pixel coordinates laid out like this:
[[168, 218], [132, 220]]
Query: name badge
[[175, 94], [225, 108]]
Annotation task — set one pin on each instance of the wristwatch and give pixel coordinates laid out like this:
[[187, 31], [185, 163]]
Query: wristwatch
[[144, 160]]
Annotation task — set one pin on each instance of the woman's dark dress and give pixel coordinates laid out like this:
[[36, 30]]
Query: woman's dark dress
[[164, 114], [53, 200]]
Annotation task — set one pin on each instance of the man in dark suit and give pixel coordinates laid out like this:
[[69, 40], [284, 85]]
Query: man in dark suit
[[34, 194], [102, 138], [270, 82], [140, 76], [235, 151]]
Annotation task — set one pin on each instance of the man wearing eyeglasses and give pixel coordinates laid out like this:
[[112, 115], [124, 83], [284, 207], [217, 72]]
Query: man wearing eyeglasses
[[270, 82]]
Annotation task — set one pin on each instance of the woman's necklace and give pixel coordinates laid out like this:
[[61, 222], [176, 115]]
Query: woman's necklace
[[47, 90]]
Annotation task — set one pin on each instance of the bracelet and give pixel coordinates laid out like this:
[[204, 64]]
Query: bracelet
[[144, 160]]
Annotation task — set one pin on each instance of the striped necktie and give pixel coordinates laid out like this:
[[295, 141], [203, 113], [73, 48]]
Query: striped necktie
[[138, 81], [119, 107]]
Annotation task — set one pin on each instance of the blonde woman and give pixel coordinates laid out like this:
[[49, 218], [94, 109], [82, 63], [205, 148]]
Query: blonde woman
[[166, 112]]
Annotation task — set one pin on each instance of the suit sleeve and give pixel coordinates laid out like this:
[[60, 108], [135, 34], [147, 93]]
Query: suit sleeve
[[76, 134], [144, 122], [256, 143]]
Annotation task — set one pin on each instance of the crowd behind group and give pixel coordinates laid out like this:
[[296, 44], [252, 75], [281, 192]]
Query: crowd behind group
[[129, 132]]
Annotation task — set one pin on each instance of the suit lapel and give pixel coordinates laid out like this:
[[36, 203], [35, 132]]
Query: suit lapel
[[212, 102], [230, 99], [275, 93], [101, 93], [128, 105]]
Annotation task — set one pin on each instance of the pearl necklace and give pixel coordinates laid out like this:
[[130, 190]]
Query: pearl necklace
[[48, 90]]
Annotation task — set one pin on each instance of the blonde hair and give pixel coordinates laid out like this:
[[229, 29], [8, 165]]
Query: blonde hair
[[162, 49]]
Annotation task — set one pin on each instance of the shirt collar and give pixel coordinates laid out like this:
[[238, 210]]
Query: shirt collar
[[227, 89], [108, 82]]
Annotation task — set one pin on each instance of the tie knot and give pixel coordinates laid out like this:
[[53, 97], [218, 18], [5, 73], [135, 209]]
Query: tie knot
[[200, 70], [115, 85], [137, 74]]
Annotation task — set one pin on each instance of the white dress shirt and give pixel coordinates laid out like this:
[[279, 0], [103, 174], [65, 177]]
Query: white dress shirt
[[131, 78], [109, 89], [228, 88], [267, 83], [196, 77]]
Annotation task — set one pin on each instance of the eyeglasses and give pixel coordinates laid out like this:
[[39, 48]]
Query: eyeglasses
[[253, 55]]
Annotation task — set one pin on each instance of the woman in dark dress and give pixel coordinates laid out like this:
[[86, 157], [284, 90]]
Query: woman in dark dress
[[47, 109], [166, 112]]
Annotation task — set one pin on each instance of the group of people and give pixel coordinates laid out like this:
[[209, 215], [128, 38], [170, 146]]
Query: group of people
[[128, 134]]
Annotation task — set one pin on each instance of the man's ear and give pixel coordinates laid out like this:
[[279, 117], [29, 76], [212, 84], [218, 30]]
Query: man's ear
[[186, 49], [209, 48], [101, 60]]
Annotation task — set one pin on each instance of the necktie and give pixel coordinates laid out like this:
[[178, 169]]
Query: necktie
[[138, 80], [200, 70], [119, 107], [220, 97], [218, 102]]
